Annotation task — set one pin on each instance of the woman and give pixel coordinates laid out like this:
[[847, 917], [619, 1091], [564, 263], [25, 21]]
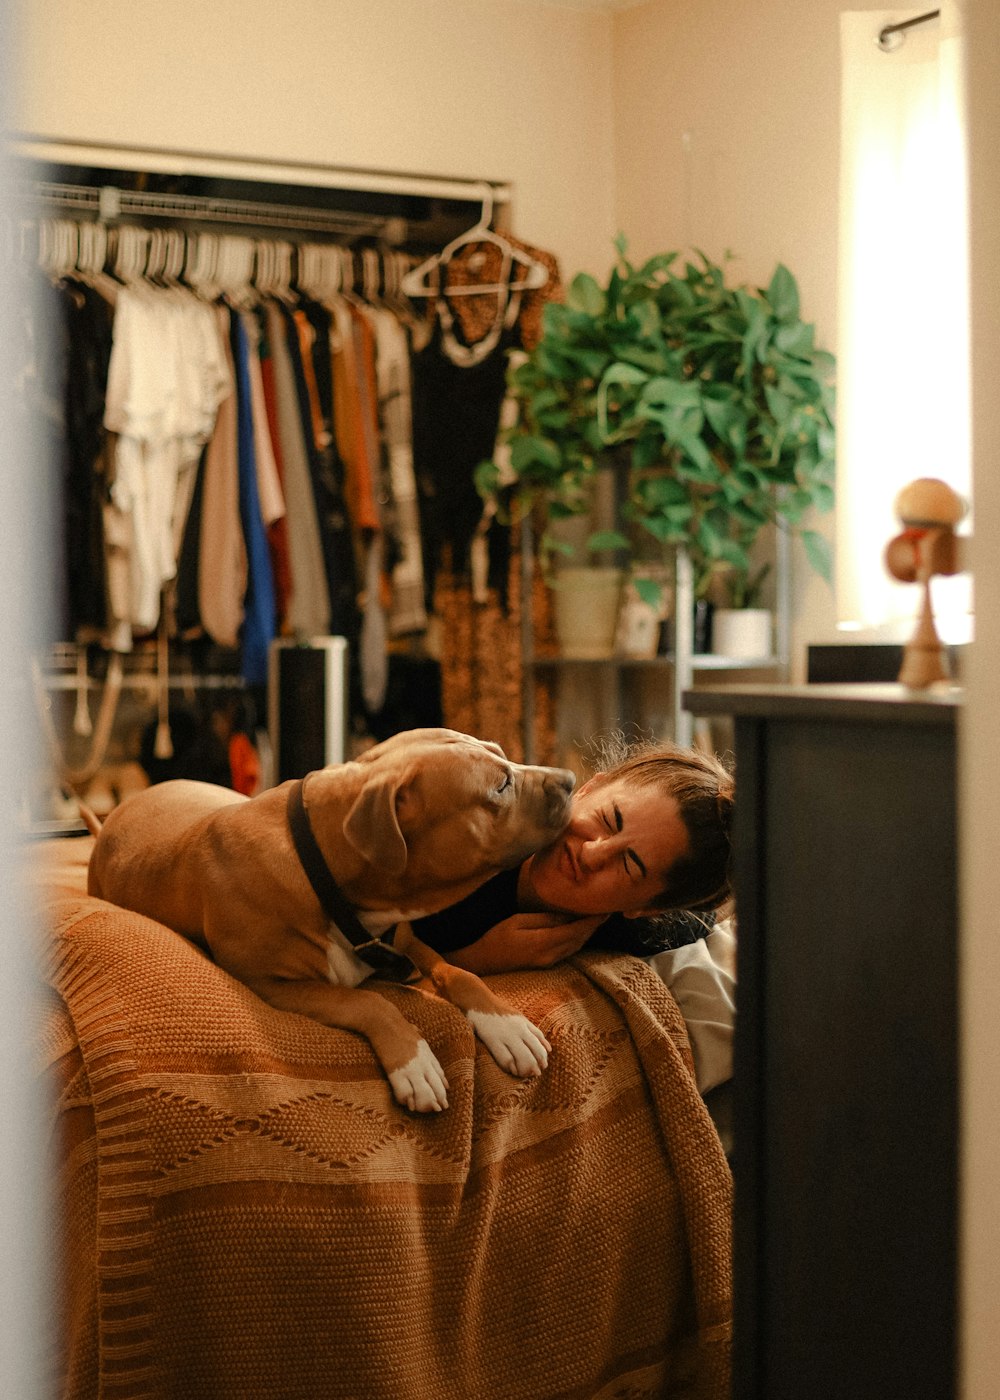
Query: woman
[[648, 836]]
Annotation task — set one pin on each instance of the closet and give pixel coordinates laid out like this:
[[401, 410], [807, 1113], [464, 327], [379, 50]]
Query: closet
[[260, 395]]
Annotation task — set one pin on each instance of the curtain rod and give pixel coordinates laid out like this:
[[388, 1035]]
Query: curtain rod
[[58, 151], [886, 35]]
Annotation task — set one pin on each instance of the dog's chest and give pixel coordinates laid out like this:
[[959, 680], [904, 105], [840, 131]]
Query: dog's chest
[[345, 968]]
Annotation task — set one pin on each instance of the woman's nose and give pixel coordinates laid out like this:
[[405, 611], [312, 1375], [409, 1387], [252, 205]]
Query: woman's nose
[[592, 854]]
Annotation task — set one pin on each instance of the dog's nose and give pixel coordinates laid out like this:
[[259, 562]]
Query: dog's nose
[[557, 785]]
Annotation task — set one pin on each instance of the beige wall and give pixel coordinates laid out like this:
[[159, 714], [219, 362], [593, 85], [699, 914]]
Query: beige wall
[[500, 89], [677, 121], [727, 139]]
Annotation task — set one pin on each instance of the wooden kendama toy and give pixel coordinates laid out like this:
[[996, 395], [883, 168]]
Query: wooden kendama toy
[[929, 510]]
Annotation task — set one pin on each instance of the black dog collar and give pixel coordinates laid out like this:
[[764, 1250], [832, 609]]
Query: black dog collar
[[377, 952]]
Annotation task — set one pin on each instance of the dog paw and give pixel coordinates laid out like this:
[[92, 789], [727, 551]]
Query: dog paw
[[420, 1085], [517, 1046]]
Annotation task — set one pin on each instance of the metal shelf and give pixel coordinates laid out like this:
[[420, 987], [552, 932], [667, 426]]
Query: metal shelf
[[681, 666], [700, 661]]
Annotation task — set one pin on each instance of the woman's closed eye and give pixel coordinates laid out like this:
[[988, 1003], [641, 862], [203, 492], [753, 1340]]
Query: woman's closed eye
[[634, 866]]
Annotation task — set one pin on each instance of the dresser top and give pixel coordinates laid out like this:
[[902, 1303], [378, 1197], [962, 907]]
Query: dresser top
[[884, 702]]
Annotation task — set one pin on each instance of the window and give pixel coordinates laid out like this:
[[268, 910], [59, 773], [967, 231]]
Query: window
[[903, 392]]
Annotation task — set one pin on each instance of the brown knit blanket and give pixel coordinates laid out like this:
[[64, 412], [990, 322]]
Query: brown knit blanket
[[246, 1214]]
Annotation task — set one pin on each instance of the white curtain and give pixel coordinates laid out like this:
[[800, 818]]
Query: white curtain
[[903, 352]]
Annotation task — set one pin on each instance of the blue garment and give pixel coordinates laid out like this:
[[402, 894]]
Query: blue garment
[[259, 607]]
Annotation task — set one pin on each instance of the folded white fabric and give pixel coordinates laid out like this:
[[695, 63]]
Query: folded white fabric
[[702, 978]]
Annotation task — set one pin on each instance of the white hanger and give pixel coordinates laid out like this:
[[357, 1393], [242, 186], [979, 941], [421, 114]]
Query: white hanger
[[425, 279], [203, 262], [236, 270]]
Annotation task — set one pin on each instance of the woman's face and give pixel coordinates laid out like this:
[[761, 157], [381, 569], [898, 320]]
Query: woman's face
[[620, 843]]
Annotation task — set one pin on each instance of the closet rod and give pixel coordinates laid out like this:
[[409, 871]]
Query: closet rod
[[109, 202], [57, 151], [886, 34]]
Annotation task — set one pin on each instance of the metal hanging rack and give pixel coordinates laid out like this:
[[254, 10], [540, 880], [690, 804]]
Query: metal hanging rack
[[338, 201], [108, 202]]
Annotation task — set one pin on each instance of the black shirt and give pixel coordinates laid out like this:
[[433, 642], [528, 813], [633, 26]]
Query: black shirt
[[468, 920]]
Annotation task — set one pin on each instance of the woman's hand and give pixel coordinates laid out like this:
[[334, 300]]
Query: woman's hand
[[525, 941]]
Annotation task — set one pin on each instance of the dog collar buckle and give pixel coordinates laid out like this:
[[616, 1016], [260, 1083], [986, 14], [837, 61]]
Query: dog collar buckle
[[377, 952]]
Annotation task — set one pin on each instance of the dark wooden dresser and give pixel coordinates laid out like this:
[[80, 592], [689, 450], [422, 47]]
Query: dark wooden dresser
[[845, 1088]]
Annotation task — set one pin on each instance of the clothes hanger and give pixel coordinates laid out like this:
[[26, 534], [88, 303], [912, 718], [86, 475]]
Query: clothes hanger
[[430, 278], [93, 252], [202, 263], [236, 256], [348, 288], [425, 279], [372, 278]]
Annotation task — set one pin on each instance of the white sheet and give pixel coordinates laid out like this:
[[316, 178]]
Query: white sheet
[[702, 977]]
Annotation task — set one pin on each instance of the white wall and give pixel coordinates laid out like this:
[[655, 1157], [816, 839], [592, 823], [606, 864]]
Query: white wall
[[499, 89]]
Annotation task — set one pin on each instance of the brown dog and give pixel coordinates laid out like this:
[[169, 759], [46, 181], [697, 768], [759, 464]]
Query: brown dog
[[414, 825]]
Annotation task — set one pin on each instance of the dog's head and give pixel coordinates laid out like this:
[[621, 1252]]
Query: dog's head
[[438, 812]]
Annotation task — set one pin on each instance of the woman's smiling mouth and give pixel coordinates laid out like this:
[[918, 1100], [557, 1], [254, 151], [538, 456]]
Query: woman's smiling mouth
[[569, 863]]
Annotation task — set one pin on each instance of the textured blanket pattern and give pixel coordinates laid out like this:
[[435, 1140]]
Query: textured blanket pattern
[[247, 1213]]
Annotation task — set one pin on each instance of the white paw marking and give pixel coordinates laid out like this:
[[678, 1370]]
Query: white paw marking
[[517, 1046], [420, 1085]]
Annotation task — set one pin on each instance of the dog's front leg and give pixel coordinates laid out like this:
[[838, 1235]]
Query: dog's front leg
[[517, 1045], [417, 1079]]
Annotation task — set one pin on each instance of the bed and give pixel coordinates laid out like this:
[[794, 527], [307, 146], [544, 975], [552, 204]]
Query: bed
[[243, 1211]]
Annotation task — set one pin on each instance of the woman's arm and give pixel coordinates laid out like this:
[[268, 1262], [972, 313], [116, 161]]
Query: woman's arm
[[526, 941]]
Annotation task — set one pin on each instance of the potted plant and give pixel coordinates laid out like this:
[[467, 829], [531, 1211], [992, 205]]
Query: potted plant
[[711, 403], [741, 626]]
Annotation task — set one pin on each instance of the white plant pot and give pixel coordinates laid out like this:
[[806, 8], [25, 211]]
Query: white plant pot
[[586, 611], [742, 633]]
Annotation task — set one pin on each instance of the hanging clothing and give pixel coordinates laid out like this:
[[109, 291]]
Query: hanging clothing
[[259, 612], [313, 326], [222, 556], [277, 531], [166, 378], [408, 612], [299, 468], [309, 605], [456, 412], [88, 321]]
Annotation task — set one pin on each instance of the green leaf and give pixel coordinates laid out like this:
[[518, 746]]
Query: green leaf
[[621, 373], [817, 549], [529, 449], [662, 529], [822, 495], [662, 490], [648, 590], [487, 478], [696, 451], [783, 294], [676, 392], [589, 364], [607, 539], [794, 339], [586, 295], [779, 404]]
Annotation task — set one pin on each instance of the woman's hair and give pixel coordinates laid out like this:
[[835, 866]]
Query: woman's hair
[[703, 787]]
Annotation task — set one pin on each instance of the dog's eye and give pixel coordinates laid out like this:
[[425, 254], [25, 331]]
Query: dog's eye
[[507, 780]]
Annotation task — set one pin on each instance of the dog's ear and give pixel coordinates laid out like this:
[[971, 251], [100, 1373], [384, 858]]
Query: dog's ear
[[372, 825]]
